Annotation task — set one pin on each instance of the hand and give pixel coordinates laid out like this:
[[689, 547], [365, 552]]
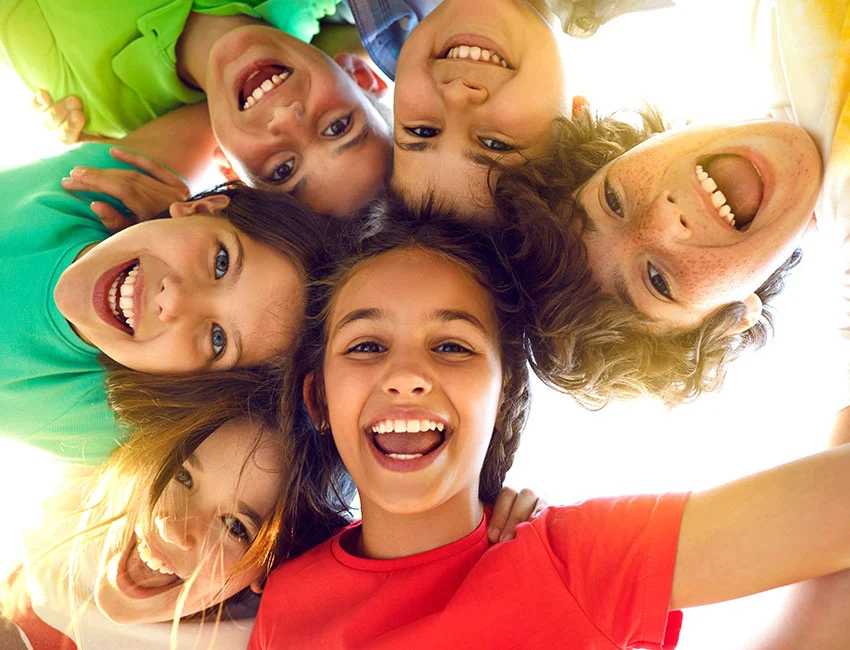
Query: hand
[[510, 510], [145, 195], [65, 117]]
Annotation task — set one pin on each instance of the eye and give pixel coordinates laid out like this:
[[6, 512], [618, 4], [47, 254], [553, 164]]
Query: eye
[[235, 528], [613, 200], [450, 347], [496, 145], [366, 347], [184, 478], [657, 281], [422, 131], [338, 127], [283, 172], [218, 339], [222, 262]]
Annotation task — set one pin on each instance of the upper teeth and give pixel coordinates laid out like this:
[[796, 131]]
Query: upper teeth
[[124, 301], [151, 561], [718, 200], [405, 426], [270, 83], [476, 54]]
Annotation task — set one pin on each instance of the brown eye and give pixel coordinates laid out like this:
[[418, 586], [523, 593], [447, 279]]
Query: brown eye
[[613, 200], [658, 282]]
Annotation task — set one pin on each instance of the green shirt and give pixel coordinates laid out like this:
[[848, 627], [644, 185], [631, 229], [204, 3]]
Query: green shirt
[[51, 385], [118, 56]]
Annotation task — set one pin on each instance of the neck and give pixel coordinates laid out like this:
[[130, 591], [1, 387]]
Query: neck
[[386, 535], [195, 43]]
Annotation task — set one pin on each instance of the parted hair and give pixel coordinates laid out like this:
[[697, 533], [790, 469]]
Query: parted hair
[[387, 225], [581, 340]]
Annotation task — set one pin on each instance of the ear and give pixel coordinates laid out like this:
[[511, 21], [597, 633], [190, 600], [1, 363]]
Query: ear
[[580, 105], [313, 393], [214, 204], [223, 165], [257, 586], [754, 308], [363, 75]]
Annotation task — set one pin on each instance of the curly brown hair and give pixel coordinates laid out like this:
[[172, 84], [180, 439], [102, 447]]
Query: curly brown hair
[[390, 224], [581, 340]]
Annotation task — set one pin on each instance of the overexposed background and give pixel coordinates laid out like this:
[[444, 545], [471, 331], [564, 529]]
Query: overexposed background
[[693, 62]]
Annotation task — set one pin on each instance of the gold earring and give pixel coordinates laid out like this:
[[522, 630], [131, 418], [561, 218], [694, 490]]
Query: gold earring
[[323, 427]]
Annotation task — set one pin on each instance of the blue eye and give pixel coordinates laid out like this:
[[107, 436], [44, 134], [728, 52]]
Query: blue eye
[[338, 127], [218, 339], [282, 172], [658, 282], [366, 347], [496, 145], [235, 528], [613, 200], [422, 131], [222, 262], [452, 348], [184, 478]]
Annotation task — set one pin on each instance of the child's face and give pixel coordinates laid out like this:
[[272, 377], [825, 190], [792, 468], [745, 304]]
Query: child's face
[[453, 115], [204, 523], [655, 236], [182, 295], [313, 133], [413, 346]]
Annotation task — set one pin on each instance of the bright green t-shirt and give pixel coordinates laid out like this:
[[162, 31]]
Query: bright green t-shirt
[[118, 56], [51, 385]]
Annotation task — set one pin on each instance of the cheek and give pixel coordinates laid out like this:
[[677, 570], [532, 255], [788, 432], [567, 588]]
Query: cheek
[[716, 276]]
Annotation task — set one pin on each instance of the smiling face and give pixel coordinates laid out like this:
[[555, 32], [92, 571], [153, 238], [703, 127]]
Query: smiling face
[[661, 237], [413, 380], [477, 80], [182, 295], [287, 116], [204, 522]]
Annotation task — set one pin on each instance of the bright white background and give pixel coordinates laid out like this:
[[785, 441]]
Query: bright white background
[[693, 62]]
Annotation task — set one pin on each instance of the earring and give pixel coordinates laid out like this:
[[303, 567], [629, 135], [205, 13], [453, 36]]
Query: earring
[[323, 427]]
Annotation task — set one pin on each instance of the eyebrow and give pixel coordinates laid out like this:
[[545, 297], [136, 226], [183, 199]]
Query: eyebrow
[[237, 273], [413, 146], [250, 513], [440, 315], [446, 315], [356, 141], [626, 297], [361, 314], [194, 462]]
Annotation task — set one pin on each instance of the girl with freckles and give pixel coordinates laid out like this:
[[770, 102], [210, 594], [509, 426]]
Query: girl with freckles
[[415, 375]]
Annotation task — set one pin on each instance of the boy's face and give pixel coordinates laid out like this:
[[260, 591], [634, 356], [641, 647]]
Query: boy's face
[[286, 115], [658, 238], [453, 114]]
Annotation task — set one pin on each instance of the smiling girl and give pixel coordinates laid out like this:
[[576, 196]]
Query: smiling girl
[[417, 372], [218, 285]]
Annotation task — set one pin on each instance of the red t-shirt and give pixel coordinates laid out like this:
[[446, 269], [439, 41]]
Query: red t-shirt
[[594, 575]]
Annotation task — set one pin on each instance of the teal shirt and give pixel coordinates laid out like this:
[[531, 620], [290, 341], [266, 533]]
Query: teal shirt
[[51, 384], [118, 56]]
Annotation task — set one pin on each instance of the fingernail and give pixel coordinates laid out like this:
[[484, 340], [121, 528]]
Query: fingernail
[[77, 173], [40, 98], [66, 181], [72, 119], [71, 104]]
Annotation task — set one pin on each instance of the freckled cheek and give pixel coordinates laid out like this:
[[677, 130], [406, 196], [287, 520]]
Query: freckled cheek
[[706, 276]]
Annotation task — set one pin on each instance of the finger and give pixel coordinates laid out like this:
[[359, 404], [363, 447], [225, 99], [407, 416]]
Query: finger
[[41, 101], [523, 508], [149, 166], [116, 183], [71, 128], [113, 220], [501, 510]]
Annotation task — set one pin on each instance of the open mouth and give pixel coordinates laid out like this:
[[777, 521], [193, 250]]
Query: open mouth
[[142, 575], [259, 83], [476, 49], [121, 296], [408, 440], [734, 187]]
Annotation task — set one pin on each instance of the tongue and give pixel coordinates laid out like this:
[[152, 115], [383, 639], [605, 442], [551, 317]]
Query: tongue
[[740, 183], [257, 79], [408, 443], [144, 576]]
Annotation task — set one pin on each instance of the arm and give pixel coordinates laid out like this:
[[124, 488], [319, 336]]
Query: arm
[[787, 524]]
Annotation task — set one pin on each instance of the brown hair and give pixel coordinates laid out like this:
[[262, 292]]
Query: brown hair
[[388, 225], [581, 340]]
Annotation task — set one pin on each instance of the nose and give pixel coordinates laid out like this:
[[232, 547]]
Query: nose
[[176, 300], [285, 119], [665, 221], [462, 92], [177, 531], [407, 378]]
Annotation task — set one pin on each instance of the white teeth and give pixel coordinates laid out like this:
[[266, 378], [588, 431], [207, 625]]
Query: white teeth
[[475, 53], [260, 91], [404, 456], [121, 298], [407, 426], [718, 200], [152, 562]]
